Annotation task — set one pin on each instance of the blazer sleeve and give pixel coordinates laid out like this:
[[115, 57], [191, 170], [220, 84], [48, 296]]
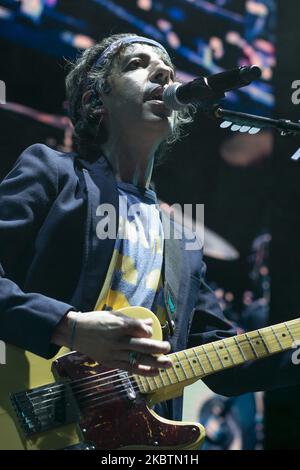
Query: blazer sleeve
[[209, 324], [27, 320]]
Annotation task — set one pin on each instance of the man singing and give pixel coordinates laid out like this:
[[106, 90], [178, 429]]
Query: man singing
[[62, 280]]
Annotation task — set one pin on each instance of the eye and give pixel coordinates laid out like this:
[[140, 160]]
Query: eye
[[134, 64]]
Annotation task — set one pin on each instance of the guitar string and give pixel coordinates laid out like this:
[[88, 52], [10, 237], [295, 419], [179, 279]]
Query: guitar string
[[121, 379], [78, 381], [109, 398], [91, 403], [44, 414], [116, 395], [94, 380], [97, 397], [116, 371], [99, 401], [86, 390]]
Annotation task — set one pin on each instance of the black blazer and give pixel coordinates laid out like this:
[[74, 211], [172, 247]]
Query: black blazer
[[51, 261]]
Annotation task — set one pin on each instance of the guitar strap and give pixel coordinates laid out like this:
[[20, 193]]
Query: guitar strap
[[171, 270]]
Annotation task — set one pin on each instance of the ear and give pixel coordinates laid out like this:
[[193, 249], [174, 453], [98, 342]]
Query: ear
[[88, 97]]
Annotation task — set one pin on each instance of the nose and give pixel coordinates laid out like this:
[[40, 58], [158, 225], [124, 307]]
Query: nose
[[161, 74]]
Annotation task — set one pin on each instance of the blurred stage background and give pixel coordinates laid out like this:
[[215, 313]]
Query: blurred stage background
[[248, 185]]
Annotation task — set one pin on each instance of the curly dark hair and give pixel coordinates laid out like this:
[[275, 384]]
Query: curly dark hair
[[89, 133]]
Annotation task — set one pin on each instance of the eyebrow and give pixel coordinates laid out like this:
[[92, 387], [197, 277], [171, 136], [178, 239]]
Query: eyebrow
[[142, 55], [127, 58]]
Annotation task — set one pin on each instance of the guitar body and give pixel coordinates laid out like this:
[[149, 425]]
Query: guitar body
[[26, 371], [102, 409]]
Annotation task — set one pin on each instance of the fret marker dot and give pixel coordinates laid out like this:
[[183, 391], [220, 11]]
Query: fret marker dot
[[225, 358], [283, 334]]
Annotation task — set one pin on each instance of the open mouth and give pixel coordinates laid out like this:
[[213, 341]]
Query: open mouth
[[155, 98], [155, 95]]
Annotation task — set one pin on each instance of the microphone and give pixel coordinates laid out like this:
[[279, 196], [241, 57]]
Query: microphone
[[178, 95]]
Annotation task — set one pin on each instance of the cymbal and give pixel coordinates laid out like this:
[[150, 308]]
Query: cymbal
[[217, 247], [214, 246]]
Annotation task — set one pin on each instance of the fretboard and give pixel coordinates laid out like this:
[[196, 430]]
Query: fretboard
[[198, 362]]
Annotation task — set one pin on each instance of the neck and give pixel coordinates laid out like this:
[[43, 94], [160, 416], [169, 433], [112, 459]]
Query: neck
[[200, 361], [131, 159]]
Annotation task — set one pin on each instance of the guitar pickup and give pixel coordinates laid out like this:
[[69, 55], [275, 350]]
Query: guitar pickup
[[128, 385]]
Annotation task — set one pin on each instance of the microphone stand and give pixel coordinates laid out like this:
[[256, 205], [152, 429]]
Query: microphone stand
[[246, 122]]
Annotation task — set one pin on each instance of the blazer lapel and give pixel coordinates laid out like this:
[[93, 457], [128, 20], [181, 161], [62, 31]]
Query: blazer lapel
[[101, 189]]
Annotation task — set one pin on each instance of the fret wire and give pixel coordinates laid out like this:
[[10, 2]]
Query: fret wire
[[206, 354], [227, 348], [175, 370], [179, 362], [161, 375], [237, 343], [145, 385], [263, 342], [148, 382], [139, 382], [288, 329], [252, 347], [144, 380], [196, 354], [169, 377], [190, 364], [216, 351], [280, 345], [161, 378], [239, 348], [208, 358], [248, 340], [155, 381]]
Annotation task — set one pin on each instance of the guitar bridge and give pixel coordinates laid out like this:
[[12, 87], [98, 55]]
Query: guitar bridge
[[44, 408]]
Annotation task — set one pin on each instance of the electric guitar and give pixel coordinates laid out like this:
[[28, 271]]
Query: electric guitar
[[72, 402]]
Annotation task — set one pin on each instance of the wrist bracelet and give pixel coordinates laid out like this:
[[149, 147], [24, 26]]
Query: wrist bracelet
[[73, 331]]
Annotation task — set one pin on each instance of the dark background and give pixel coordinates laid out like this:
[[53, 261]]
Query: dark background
[[282, 406], [240, 201]]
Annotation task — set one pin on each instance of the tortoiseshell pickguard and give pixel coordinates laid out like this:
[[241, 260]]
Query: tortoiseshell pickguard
[[121, 422]]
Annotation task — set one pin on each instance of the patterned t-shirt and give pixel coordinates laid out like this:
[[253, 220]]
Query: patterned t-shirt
[[134, 274]]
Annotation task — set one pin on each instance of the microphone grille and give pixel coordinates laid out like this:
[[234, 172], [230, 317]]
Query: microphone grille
[[170, 99]]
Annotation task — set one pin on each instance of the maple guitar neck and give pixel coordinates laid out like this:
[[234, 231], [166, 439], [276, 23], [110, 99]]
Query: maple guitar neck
[[198, 362]]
